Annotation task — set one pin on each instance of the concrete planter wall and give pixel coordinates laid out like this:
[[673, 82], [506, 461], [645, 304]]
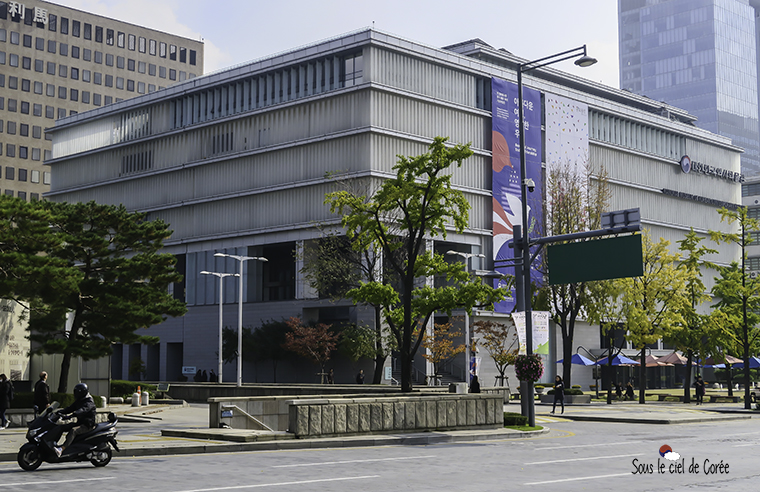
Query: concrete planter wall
[[569, 399], [340, 416]]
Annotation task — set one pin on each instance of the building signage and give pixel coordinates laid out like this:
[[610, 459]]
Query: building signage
[[17, 12], [688, 165], [505, 146], [701, 199]]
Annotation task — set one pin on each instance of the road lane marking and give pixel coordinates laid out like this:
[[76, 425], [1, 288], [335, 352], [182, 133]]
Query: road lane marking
[[579, 478], [55, 481], [588, 445], [353, 461], [280, 484], [583, 459]]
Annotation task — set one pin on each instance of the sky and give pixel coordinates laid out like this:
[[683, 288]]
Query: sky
[[237, 31]]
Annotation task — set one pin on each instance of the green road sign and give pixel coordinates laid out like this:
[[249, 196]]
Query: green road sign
[[597, 259]]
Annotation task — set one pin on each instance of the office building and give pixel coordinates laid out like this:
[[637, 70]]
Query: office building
[[56, 61], [699, 55], [240, 163]]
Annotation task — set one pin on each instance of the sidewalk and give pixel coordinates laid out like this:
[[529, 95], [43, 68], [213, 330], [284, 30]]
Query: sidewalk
[[176, 429]]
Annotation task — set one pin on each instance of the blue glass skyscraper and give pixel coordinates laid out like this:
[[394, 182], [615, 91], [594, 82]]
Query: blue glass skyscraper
[[700, 55]]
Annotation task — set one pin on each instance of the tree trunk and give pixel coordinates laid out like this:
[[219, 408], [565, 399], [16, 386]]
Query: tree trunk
[[63, 383], [380, 355], [567, 354], [686, 383], [406, 372], [729, 380], [642, 376]]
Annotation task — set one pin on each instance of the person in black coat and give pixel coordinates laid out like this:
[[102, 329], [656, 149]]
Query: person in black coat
[[629, 391], [474, 385], [84, 410], [360, 377], [699, 390], [6, 397], [41, 394], [559, 393]]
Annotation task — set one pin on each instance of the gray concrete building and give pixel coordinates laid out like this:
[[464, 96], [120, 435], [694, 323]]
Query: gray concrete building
[[239, 162], [56, 61]]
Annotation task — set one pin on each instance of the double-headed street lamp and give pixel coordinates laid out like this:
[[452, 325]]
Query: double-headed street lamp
[[241, 259], [522, 244], [466, 257], [221, 301]]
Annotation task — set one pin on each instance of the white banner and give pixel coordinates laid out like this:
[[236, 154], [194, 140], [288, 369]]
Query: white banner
[[540, 330], [14, 346]]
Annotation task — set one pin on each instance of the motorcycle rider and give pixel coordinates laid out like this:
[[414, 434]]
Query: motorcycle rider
[[83, 409]]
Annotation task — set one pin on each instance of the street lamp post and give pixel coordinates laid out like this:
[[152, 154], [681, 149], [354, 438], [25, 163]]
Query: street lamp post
[[241, 259], [466, 257], [523, 242], [221, 277]]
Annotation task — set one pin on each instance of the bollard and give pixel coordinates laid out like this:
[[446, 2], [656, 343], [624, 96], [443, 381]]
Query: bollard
[[136, 400], [145, 398]]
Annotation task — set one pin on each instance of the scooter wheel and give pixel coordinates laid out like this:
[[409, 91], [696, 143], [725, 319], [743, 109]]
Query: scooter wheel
[[101, 457], [30, 459]]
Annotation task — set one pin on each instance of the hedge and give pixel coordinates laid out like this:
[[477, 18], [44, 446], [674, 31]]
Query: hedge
[[571, 391], [26, 400], [512, 418], [127, 388]]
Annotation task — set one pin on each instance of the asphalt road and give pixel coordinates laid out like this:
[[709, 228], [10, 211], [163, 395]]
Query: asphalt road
[[575, 456]]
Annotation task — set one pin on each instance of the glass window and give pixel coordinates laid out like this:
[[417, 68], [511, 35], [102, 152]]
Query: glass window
[[12, 106], [75, 51], [119, 82], [96, 99], [182, 76], [98, 34], [63, 49], [172, 74], [109, 60], [13, 60], [183, 55], [131, 65], [37, 130], [38, 87], [2, 106], [3, 35], [26, 63], [27, 41], [86, 54], [61, 92], [2, 57], [172, 52], [23, 153], [26, 85], [51, 68], [74, 74], [141, 67], [15, 38], [74, 95], [152, 47], [51, 46], [39, 44], [63, 71], [50, 90], [162, 72], [151, 87], [85, 97], [13, 82], [109, 80], [35, 154], [107, 100], [52, 22], [192, 57], [11, 128], [99, 57], [162, 50], [23, 130], [39, 66], [119, 62], [151, 69], [61, 113], [131, 85], [10, 151], [141, 87], [120, 40], [64, 25], [141, 44], [49, 112], [25, 110], [86, 75], [97, 78], [46, 177], [35, 176], [10, 171], [87, 31], [22, 174], [131, 42], [75, 28], [109, 37]]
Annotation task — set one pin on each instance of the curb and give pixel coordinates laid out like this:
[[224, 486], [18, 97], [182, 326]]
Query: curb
[[635, 420]]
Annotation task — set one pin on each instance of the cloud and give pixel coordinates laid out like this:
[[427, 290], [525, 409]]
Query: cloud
[[672, 456]]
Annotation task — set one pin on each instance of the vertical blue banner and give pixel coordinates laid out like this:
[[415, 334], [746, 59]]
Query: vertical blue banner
[[505, 146]]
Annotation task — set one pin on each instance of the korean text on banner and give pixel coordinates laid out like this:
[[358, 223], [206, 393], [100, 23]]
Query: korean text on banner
[[540, 331]]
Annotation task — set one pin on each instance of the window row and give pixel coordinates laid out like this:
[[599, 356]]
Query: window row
[[25, 152], [643, 138], [41, 66], [74, 94], [98, 34], [33, 197], [23, 129]]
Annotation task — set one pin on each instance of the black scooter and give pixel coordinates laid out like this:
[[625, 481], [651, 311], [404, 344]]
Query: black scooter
[[44, 433]]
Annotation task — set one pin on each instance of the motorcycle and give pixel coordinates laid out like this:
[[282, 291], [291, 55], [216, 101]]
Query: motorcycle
[[44, 432]]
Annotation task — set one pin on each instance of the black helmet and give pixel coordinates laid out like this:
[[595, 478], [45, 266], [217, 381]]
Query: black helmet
[[80, 391]]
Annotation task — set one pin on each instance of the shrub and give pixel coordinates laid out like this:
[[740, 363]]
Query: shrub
[[539, 386], [126, 389], [576, 386], [572, 391], [512, 418], [529, 367]]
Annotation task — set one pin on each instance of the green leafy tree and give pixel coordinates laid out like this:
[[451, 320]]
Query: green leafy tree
[[110, 280], [417, 204], [605, 308], [259, 344], [500, 340], [653, 303], [315, 342], [742, 298], [576, 201], [357, 342]]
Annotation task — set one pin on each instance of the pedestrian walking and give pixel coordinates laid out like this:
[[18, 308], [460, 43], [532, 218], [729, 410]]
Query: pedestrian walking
[[41, 394], [629, 391], [474, 385], [619, 391], [559, 393], [360, 377], [204, 376], [699, 390], [6, 397], [331, 377], [212, 376]]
